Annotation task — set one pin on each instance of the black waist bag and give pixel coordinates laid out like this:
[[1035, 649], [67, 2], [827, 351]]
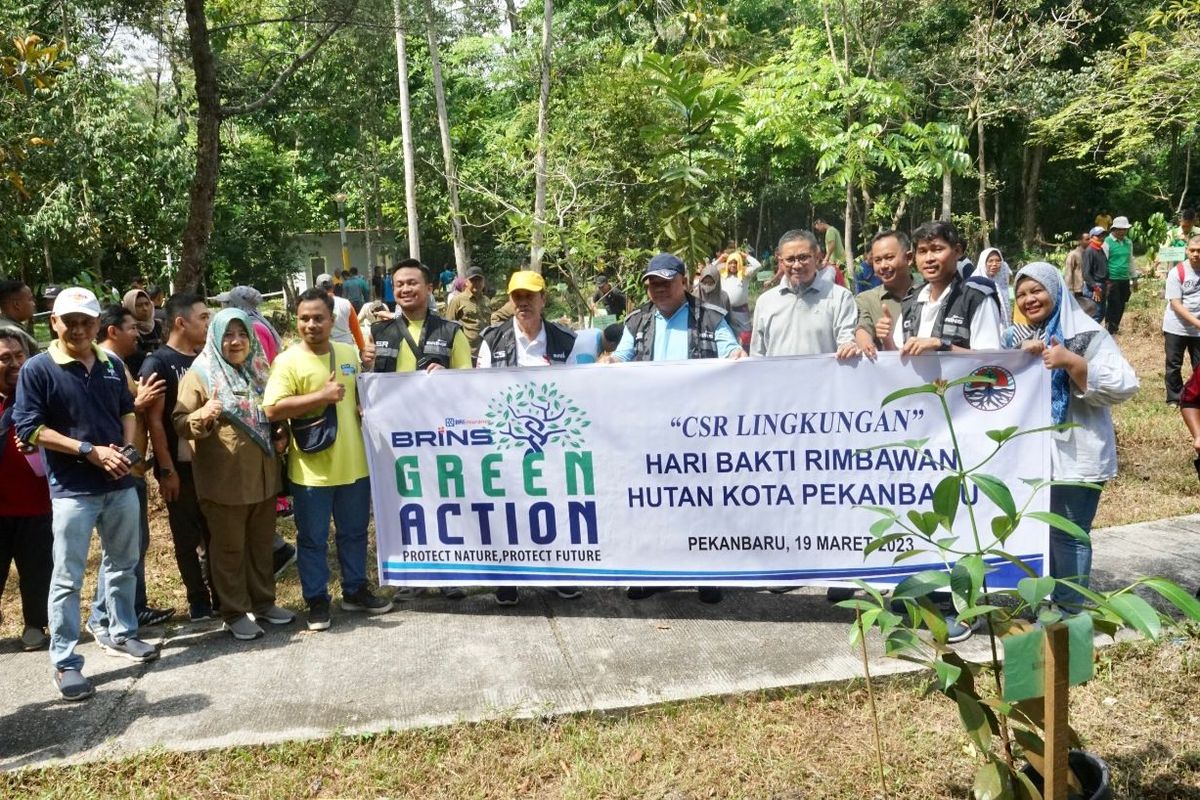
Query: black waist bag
[[315, 434]]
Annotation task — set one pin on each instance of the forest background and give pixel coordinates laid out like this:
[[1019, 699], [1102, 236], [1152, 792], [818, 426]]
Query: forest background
[[192, 139]]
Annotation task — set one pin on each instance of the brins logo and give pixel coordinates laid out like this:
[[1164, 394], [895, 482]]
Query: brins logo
[[990, 395], [533, 416]]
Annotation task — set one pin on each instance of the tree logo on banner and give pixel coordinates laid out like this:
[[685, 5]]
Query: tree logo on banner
[[993, 395], [533, 416]]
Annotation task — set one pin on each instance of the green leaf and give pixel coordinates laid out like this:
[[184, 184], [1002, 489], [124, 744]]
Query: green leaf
[[1176, 595], [1010, 558], [882, 541], [880, 526], [925, 521], [1003, 435], [996, 491], [921, 584], [1062, 523], [947, 674], [927, 388], [966, 578], [974, 720], [1033, 590], [1138, 613], [992, 782], [945, 499]]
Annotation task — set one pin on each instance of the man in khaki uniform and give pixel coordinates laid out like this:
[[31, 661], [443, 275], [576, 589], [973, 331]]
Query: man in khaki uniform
[[469, 309]]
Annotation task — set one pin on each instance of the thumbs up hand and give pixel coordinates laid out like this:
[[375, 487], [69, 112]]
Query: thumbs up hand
[[1056, 356], [333, 392], [883, 330]]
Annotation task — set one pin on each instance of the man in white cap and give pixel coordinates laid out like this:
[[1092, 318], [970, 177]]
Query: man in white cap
[[1122, 273], [345, 321], [73, 402]]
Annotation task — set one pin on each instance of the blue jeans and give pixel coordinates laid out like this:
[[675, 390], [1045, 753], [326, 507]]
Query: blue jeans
[[1069, 557], [98, 621], [115, 516], [350, 506]]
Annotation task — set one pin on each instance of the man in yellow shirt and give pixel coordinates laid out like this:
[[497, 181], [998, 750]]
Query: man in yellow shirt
[[305, 380], [415, 338]]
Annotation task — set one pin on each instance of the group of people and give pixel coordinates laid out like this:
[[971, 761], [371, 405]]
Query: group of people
[[219, 401]]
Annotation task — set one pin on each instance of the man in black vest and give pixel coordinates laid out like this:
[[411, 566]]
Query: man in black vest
[[949, 312], [674, 326], [528, 340], [414, 339]]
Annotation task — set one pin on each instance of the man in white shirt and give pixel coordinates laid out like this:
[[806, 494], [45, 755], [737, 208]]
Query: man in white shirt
[[1181, 319], [345, 320], [529, 340]]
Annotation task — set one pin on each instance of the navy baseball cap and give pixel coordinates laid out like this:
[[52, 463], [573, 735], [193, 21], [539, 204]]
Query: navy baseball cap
[[665, 266]]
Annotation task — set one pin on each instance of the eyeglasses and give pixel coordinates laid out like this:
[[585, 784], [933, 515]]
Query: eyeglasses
[[801, 259]]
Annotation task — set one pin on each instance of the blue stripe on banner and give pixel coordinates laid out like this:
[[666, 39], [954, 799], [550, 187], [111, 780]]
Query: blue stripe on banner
[[1005, 573]]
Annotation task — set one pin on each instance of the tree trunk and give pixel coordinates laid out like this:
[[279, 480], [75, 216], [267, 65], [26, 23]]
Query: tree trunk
[[1031, 179], [46, 257], [947, 192], [413, 233], [537, 243], [510, 11], [983, 215], [847, 235], [203, 192], [366, 201], [462, 257]]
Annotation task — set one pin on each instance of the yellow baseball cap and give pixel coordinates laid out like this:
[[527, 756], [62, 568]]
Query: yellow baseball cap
[[526, 280]]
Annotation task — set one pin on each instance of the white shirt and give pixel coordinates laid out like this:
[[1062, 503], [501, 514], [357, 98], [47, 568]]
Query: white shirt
[[1186, 291], [532, 352], [1089, 452], [343, 318], [985, 325]]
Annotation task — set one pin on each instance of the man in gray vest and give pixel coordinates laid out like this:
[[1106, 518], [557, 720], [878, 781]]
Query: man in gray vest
[[674, 326]]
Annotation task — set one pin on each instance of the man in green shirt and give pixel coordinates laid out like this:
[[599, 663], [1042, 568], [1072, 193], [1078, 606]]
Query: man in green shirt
[[879, 309], [1122, 273], [1178, 237], [469, 309], [835, 252]]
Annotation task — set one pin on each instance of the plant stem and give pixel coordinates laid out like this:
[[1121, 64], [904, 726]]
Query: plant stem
[[862, 648]]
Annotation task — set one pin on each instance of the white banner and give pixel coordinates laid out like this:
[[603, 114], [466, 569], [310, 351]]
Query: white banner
[[746, 473]]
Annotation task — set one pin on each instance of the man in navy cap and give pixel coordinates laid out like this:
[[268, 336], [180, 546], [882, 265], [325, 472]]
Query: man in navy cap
[[674, 326]]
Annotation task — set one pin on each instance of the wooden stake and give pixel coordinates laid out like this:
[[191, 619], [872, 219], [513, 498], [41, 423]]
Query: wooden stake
[[1057, 687]]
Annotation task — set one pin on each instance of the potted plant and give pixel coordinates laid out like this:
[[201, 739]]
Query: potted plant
[[1009, 734]]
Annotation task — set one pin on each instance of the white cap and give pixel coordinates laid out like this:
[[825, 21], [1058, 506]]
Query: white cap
[[76, 300], [323, 280], [1120, 222]]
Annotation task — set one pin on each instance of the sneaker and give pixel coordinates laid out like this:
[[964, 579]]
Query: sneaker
[[283, 558], [453, 592], [641, 592], [710, 594], [506, 596], [34, 639], [961, 631], [154, 616], [71, 684], [836, 594], [133, 649], [318, 615], [201, 613], [567, 592], [276, 616], [364, 600], [243, 628]]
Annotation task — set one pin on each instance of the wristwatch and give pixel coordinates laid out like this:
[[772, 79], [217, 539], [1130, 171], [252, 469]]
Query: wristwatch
[[85, 449], [946, 344]]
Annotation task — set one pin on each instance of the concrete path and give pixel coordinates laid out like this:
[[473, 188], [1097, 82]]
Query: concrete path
[[434, 662]]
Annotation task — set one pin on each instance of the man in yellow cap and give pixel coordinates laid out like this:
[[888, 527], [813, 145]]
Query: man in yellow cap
[[528, 339]]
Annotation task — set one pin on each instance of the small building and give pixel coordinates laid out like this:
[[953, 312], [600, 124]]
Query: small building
[[315, 252]]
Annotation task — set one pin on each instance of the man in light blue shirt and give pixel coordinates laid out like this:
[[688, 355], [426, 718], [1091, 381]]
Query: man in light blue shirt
[[673, 325]]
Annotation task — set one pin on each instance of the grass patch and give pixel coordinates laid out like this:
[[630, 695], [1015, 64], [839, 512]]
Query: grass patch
[[794, 744]]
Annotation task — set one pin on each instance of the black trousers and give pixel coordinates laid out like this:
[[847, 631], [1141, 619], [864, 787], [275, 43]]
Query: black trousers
[[189, 533], [29, 541], [1118, 296], [1175, 346]]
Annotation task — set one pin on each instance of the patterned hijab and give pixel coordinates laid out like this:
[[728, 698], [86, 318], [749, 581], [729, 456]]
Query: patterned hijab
[[240, 389], [1068, 324]]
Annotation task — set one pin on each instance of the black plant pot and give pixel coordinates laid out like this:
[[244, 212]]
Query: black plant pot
[[1092, 773]]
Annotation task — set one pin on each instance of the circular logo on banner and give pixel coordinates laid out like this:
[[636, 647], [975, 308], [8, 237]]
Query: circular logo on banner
[[990, 396]]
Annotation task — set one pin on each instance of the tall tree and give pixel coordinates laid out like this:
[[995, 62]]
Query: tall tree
[[410, 176], [537, 240], [462, 255]]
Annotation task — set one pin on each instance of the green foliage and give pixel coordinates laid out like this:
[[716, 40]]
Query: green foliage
[[997, 729]]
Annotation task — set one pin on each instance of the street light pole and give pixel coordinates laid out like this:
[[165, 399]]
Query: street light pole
[[340, 197]]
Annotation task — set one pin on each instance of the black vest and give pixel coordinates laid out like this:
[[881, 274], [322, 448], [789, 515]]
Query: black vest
[[502, 342], [437, 339], [958, 309], [703, 321]]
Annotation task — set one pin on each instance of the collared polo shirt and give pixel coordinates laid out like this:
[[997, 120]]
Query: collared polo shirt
[[58, 392], [805, 320], [871, 304]]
